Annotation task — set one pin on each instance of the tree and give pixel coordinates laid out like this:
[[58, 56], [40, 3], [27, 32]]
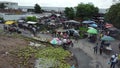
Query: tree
[[1, 18], [86, 10], [37, 9], [2, 6], [113, 15], [69, 12], [32, 18]]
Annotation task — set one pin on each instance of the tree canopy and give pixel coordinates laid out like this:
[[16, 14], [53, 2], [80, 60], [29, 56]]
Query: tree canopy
[[86, 10], [69, 12], [82, 11], [113, 15], [37, 9]]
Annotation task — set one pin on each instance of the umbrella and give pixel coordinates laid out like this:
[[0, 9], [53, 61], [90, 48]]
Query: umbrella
[[92, 31], [60, 42], [93, 25], [90, 27], [107, 38], [31, 22], [54, 41], [107, 25], [88, 22], [9, 22], [72, 21], [21, 21]]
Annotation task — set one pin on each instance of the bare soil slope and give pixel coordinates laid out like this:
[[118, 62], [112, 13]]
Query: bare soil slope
[[8, 44]]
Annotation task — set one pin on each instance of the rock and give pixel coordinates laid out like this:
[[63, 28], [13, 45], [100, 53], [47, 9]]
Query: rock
[[45, 63], [37, 45], [32, 44]]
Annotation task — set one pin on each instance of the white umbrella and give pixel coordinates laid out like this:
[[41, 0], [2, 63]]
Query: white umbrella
[[31, 22]]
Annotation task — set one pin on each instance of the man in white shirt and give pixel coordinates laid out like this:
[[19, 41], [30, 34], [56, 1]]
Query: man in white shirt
[[113, 60]]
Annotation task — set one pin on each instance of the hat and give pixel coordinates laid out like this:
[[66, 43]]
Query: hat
[[113, 56], [116, 54]]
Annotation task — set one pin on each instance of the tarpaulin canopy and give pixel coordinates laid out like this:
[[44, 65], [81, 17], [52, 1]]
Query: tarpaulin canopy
[[31, 22], [10, 22]]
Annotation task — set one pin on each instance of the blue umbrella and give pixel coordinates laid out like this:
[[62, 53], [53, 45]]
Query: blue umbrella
[[93, 25], [107, 38]]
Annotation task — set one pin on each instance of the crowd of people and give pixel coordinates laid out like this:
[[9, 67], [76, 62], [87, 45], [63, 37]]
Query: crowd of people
[[11, 28]]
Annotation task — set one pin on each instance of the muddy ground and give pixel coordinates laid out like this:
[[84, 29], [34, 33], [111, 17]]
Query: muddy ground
[[8, 44]]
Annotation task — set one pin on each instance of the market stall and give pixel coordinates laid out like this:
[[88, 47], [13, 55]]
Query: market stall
[[106, 45]]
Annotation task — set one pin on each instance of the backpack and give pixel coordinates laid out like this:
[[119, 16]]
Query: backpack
[[112, 59]]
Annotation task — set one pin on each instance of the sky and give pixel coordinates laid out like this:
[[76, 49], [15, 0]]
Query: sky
[[62, 3]]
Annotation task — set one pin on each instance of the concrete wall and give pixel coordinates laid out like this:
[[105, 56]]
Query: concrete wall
[[13, 17], [16, 17]]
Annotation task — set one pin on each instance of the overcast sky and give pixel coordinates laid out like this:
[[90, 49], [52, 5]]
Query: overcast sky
[[62, 3]]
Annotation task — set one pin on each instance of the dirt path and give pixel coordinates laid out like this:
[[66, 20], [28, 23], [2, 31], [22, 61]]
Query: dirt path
[[97, 60], [83, 59]]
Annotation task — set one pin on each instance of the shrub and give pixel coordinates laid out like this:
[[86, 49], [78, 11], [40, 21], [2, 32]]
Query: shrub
[[32, 18], [82, 31], [1, 18]]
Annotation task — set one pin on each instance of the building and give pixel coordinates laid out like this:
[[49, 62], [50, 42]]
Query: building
[[115, 1], [10, 5], [26, 8], [14, 5]]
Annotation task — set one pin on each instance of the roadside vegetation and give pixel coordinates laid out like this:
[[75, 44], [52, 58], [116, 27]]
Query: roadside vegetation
[[22, 55], [113, 15]]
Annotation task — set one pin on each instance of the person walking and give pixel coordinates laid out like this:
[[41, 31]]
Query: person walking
[[95, 49], [34, 31], [101, 49], [113, 60], [4, 28], [64, 44]]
